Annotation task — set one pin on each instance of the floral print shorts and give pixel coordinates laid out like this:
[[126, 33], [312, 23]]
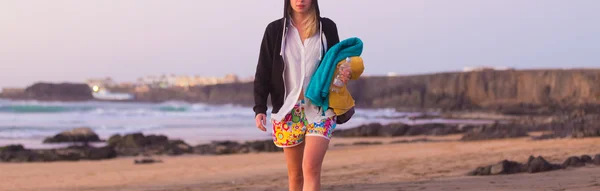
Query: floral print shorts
[[294, 127]]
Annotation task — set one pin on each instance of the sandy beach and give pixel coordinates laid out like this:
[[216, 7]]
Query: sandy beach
[[414, 166]]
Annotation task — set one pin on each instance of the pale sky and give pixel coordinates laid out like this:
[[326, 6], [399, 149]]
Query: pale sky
[[73, 40]]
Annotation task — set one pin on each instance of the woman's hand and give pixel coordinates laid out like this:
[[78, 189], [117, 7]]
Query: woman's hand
[[261, 121]]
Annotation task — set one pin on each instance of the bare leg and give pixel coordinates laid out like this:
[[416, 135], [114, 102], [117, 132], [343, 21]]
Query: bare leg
[[314, 153], [293, 157]]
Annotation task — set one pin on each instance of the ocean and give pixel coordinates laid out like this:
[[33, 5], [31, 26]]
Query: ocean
[[29, 122]]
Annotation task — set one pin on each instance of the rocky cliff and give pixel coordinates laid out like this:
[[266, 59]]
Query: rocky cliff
[[59, 92], [511, 92], [52, 92], [533, 91]]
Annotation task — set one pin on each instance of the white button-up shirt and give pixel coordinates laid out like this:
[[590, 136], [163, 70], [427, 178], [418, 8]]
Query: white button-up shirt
[[301, 61]]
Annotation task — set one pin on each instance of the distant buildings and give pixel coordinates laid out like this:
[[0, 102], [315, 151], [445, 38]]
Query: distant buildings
[[12, 91], [484, 68], [144, 84], [100, 83], [172, 80]]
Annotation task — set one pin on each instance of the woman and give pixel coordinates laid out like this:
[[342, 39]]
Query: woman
[[291, 50]]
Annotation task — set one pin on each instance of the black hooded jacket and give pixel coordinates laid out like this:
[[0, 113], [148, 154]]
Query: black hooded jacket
[[268, 79]]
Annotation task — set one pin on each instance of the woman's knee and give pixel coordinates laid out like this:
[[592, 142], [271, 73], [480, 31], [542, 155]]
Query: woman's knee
[[311, 168], [296, 175]]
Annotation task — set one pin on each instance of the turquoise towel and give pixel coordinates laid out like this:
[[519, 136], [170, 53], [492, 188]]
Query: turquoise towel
[[318, 88]]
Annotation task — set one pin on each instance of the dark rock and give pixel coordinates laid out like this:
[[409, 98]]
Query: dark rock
[[147, 161], [481, 171], [230, 147], [573, 162], [369, 130], [138, 144], [59, 92], [399, 129], [539, 164], [597, 159], [393, 130], [575, 125], [585, 126], [586, 159], [545, 136], [15, 153], [263, 146], [437, 129], [114, 140], [177, 147], [218, 148], [156, 139], [12, 148], [506, 167], [83, 135], [413, 141], [533, 165], [416, 130], [530, 159], [206, 149], [72, 153], [101, 153], [136, 140], [367, 143], [495, 131], [226, 147]]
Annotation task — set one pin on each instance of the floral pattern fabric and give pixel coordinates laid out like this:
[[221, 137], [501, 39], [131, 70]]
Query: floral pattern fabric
[[294, 127]]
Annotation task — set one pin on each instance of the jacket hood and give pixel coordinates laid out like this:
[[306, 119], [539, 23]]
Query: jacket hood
[[287, 7]]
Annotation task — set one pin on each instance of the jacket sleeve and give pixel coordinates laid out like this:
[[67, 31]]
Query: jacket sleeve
[[262, 77], [335, 37]]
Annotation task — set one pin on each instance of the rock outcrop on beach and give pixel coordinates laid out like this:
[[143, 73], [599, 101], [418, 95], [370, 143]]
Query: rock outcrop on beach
[[596, 159], [533, 165], [17, 153], [539, 164], [400, 129], [136, 144], [140, 144], [58, 92], [83, 135], [147, 161], [585, 126], [573, 161], [230, 147], [495, 131], [569, 126], [471, 132]]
